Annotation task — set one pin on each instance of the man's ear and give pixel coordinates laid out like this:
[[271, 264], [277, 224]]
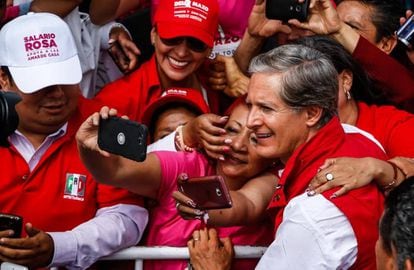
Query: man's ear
[[5, 81], [387, 44], [313, 115]]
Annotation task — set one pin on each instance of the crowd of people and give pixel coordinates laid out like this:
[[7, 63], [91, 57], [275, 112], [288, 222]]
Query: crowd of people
[[307, 122]]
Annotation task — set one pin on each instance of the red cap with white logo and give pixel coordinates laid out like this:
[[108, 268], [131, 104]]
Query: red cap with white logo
[[188, 18], [192, 97], [39, 50]]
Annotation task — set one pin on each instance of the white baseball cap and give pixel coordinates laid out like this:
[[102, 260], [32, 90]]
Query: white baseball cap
[[39, 50]]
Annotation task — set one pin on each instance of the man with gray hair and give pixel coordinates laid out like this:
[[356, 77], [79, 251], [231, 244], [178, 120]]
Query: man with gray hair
[[292, 98]]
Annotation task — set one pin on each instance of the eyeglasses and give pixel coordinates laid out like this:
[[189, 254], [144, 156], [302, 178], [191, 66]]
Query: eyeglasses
[[192, 43]]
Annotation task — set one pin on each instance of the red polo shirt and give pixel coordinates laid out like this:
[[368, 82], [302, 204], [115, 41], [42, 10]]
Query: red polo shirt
[[59, 193]]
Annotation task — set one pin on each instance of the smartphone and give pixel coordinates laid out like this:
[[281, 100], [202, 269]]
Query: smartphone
[[118, 55], [123, 137], [285, 10], [11, 222], [209, 192]]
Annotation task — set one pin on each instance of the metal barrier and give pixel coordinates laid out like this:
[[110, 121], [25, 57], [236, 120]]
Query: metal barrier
[[139, 254]]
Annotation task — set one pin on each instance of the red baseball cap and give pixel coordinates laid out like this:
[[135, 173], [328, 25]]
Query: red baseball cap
[[191, 97], [188, 18]]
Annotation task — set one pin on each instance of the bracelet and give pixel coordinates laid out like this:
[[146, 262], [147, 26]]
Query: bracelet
[[394, 179], [179, 140]]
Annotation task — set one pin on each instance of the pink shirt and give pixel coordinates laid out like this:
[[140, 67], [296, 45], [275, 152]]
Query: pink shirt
[[167, 228]]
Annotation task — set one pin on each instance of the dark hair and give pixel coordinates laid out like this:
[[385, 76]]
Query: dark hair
[[362, 84], [397, 223], [6, 70], [385, 16]]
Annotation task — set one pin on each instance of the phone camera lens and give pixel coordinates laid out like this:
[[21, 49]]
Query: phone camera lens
[[298, 8], [121, 138], [218, 192]]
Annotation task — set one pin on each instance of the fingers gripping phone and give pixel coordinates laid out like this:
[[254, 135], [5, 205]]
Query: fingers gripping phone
[[11, 222], [123, 137], [285, 10], [209, 192]]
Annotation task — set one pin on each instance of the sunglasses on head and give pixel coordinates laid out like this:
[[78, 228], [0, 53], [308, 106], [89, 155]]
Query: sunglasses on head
[[192, 43]]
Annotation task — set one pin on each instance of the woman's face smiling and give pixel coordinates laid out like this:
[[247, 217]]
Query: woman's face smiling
[[177, 62], [241, 161]]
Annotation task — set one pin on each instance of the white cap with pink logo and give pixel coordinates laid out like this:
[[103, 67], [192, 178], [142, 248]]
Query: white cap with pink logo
[[39, 50]]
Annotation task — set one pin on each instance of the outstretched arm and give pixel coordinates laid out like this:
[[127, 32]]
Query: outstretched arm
[[142, 178], [249, 203], [351, 173]]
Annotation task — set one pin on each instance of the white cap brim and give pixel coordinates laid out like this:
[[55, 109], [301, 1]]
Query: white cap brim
[[35, 78]]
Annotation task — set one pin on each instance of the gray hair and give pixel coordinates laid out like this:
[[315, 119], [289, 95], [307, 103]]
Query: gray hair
[[308, 77]]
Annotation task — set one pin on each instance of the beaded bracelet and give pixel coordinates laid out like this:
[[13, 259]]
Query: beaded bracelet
[[179, 141]]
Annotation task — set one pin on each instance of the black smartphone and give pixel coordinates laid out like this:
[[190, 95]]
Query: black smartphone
[[123, 137], [11, 222], [118, 55], [208, 192], [285, 10]]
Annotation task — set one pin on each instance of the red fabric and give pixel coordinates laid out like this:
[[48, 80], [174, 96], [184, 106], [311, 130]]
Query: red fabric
[[132, 93], [388, 71], [10, 13], [198, 19], [393, 128], [39, 196], [362, 207]]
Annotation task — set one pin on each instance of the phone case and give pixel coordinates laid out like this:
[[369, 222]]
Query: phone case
[[209, 192], [123, 137], [8, 221], [285, 10]]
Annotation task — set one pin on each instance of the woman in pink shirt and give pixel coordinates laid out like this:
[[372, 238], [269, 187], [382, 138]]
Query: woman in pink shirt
[[156, 177]]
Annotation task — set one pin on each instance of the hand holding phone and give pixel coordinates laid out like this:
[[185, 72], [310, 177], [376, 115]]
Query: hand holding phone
[[284, 10], [208, 192], [11, 222], [123, 137]]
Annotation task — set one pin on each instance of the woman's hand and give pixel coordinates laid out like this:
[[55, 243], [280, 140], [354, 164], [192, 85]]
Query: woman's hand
[[347, 173], [208, 251], [322, 19], [225, 75], [186, 207], [405, 164], [206, 131]]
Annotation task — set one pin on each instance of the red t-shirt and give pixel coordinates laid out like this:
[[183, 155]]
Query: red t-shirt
[[393, 128]]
